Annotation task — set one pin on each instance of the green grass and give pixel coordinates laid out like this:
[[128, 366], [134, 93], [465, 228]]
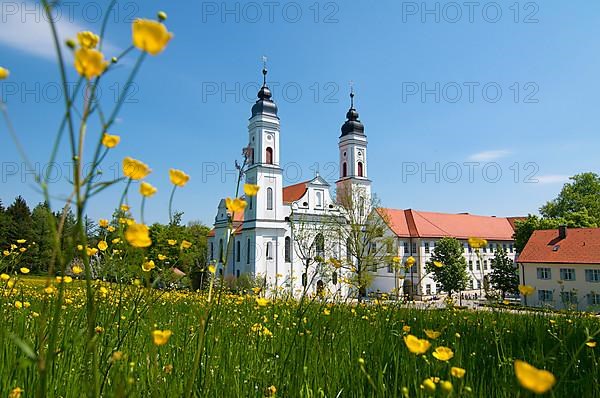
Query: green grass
[[310, 354]]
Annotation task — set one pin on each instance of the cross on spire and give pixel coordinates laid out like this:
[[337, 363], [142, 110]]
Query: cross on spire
[[351, 94]]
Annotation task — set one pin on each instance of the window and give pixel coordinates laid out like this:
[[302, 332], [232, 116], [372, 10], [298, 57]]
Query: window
[[470, 249], [544, 273], [269, 198], [320, 245], [319, 199], [485, 264], [269, 250], [248, 251], [478, 284], [567, 274], [592, 275], [545, 295], [485, 249], [504, 247], [344, 170], [426, 247], [593, 299], [238, 250], [428, 289], [288, 249], [470, 265], [568, 297], [221, 250], [414, 248], [348, 251], [249, 198], [237, 273], [478, 265], [405, 244], [212, 251], [512, 247], [269, 155], [390, 267], [360, 169]]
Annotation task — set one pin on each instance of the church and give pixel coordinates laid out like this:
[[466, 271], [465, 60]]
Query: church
[[280, 240]]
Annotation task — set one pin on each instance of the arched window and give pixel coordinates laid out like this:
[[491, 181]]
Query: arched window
[[248, 251], [269, 198], [288, 249], [269, 155], [238, 250], [221, 250], [319, 199], [360, 169], [320, 245], [269, 251], [344, 170]]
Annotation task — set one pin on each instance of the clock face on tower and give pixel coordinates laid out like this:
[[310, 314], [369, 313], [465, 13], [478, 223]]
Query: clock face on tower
[[359, 154]]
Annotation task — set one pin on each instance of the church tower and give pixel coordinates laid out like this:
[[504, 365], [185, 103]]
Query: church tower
[[264, 218], [354, 179]]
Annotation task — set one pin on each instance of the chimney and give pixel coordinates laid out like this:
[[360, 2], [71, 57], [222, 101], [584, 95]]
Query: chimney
[[562, 231]]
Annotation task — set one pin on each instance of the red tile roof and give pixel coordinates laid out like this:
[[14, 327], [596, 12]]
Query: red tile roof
[[422, 224], [238, 221], [581, 246], [294, 192]]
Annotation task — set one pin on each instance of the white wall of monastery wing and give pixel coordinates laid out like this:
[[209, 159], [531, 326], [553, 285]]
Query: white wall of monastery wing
[[563, 286]]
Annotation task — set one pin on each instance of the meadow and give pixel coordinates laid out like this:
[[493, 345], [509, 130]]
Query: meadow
[[258, 347]]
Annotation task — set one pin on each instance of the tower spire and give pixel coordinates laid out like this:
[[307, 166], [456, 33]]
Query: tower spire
[[264, 71], [351, 94]]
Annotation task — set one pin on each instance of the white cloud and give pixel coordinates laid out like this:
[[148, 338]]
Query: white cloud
[[552, 179], [486, 156], [26, 28]]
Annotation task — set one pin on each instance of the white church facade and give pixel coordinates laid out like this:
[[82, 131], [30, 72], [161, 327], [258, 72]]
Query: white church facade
[[277, 238]]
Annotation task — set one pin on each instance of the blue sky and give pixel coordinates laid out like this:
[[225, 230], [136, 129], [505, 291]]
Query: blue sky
[[428, 82]]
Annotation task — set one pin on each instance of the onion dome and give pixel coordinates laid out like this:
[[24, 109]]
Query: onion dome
[[353, 125], [264, 105]]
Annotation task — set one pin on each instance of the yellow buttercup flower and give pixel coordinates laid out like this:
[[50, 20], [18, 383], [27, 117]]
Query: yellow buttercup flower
[[446, 386], [138, 235], [77, 270], [326, 311], [6, 253], [262, 302], [438, 264], [147, 190], [135, 169], [429, 385], [406, 329], [171, 242], [396, 260], [21, 241], [161, 337], [178, 177], [526, 290], [162, 257], [16, 392], [251, 189], [148, 266], [432, 334], [235, 205], [150, 36], [212, 269], [110, 141], [477, 243], [410, 262], [416, 345], [18, 305], [591, 343], [533, 379], [90, 63], [271, 391], [443, 353], [88, 40], [103, 223], [24, 270], [116, 240], [50, 290], [4, 73], [4, 277], [102, 245], [91, 251], [125, 208], [459, 373], [185, 244]]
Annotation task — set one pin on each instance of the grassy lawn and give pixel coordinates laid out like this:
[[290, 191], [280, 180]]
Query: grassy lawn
[[310, 350]]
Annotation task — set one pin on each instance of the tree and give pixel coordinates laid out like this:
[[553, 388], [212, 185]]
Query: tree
[[43, 235], [361, 227], [581, 194], [448, 266], [4, 227], [504, 276], [21, 224]]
